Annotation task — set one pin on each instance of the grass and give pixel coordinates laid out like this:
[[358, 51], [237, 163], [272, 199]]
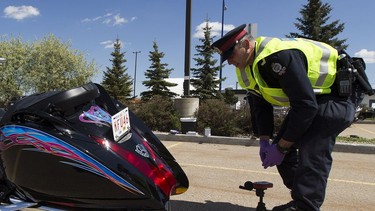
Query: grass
[[355, 140]]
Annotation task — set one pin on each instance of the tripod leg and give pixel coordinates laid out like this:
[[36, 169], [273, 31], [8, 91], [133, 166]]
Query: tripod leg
[[261, 205]]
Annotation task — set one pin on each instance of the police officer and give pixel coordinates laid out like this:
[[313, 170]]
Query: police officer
[[299, 73]]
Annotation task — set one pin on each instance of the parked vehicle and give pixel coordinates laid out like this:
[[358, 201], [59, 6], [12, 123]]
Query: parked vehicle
[[81, 149], [366, 113], [280, 111]]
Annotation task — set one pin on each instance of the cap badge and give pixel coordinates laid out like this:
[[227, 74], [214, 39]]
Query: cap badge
[[218, 50]]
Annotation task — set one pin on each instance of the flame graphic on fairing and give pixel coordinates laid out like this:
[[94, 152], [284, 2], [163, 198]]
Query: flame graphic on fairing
[[11, 135]]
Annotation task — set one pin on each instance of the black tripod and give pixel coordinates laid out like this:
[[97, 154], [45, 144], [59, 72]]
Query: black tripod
[[259, 187]]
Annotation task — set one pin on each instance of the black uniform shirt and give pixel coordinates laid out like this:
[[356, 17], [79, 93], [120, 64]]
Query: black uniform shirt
[[287, 70]]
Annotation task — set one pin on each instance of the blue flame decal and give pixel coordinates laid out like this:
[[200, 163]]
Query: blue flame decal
[[11, 135]]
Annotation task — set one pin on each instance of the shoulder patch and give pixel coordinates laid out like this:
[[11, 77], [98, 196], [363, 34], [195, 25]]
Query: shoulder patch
[[278, 68]]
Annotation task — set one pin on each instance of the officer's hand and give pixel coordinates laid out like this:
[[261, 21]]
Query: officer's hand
[[264, 144], [273, 156]]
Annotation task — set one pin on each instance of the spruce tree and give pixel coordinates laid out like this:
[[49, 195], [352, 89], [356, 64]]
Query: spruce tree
[[230, 97], [314, 24], [157, 73], [116, 80], [205, 76]]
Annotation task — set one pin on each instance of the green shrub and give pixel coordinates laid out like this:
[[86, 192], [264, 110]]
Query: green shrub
[[217, 115], [244, 120], [158, 114]]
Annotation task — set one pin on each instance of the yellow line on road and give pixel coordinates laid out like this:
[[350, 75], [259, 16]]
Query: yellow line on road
[[173, 145], [369, 131], [271, 173]]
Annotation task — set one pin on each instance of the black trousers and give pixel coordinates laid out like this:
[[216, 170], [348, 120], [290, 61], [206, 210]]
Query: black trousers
[[306, 168]]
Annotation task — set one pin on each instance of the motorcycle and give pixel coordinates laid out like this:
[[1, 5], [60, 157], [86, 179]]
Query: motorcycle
[[81, 149]]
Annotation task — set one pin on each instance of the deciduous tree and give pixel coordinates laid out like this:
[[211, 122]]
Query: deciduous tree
[[43, 65]]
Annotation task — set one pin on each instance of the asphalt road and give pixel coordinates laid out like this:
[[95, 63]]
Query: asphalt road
[[215, 172], [361, 130]]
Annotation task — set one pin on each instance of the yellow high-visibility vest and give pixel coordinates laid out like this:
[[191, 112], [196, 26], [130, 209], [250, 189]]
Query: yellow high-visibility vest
[[321, 67]]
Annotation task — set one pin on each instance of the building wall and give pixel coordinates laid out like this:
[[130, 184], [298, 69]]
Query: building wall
[[369, 101]]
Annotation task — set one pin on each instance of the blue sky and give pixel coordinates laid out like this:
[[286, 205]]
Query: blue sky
[[91, 26]]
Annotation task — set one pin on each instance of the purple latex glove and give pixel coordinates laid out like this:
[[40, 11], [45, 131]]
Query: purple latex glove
[[273, 156], [264, 144]]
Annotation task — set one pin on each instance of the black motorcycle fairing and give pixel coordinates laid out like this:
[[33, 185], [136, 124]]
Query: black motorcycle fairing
[[45, 114], [145, 132], [63, 101]]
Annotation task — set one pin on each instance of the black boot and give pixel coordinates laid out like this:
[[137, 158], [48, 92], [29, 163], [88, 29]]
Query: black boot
[[290, 206]]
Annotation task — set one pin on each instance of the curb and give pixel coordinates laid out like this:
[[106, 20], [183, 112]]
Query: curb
[[339, 147], [364, 122]]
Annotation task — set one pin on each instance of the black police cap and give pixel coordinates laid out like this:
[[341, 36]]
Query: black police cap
[[225, 45]]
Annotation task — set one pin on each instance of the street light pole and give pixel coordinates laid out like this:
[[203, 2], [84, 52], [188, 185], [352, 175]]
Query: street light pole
[[135, 71]]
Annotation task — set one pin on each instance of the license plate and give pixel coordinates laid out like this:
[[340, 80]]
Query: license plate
[[120, 124]]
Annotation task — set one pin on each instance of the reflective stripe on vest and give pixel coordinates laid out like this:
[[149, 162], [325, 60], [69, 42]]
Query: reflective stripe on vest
[[324, 61], [321, 66], [246, 79]]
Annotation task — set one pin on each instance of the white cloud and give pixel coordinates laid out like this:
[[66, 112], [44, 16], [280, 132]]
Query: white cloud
[[21, 12], [118, 20], [86, 20], [368, 56], [109, 19], [108, 15], [133, 18], [109, 43], [215, 29], [97, 18]]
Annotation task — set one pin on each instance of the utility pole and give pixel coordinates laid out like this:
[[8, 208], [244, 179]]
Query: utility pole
[[135, 71], [187, 49]]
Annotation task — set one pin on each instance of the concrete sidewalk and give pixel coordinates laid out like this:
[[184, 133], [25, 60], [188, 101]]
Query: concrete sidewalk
[[358, 130]]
